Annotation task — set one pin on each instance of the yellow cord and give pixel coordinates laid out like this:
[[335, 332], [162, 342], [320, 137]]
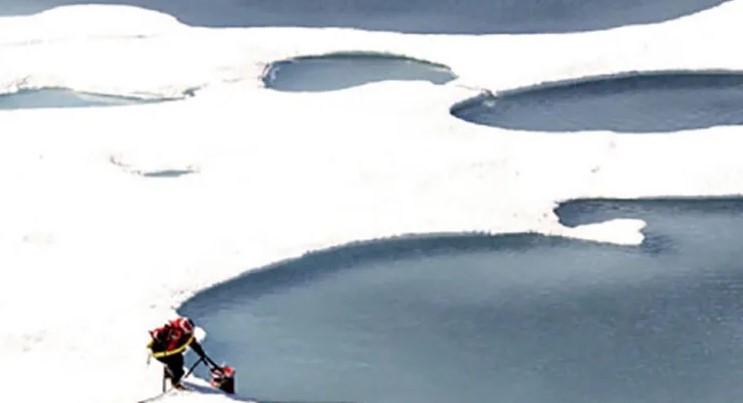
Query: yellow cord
[[174, 351]]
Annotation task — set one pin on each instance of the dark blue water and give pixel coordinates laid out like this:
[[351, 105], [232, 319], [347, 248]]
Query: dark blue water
[[60, 98], [634, 103], [420, 16], [518, 318], [338, 71]]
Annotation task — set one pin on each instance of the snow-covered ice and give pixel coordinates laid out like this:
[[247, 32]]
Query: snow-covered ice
[[92, 256]]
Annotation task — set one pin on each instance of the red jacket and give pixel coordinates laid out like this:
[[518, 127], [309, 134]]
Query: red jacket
[[173, 338]]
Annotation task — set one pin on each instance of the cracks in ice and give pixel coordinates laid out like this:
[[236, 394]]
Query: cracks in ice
[[167, 172]]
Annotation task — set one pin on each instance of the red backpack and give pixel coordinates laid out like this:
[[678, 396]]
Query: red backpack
[[172, 335]]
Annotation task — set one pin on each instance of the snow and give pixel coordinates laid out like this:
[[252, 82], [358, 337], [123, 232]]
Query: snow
[[92, 254]]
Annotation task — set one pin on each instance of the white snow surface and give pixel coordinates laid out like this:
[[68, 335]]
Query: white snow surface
[[92, 254]]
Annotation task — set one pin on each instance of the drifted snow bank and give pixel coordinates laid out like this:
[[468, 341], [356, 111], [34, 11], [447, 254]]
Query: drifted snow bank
[[92, 256]]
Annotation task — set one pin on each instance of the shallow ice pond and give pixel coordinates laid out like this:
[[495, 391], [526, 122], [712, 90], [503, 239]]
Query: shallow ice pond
[[421, 16], [516, 318], [339, 71], [633, 103], [59, 98]]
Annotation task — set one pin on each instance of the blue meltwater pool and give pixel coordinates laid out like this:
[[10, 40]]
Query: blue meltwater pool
[[517, 318], [60, 98], [637, 103], [411, 16]]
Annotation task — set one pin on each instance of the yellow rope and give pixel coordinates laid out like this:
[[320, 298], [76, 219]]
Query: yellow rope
[[174, 351]]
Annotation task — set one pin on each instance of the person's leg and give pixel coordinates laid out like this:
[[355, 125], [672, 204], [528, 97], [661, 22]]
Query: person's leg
[[175, 367]]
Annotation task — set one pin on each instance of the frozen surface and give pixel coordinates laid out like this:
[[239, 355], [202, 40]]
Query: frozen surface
[[116, 253], [647, 103]]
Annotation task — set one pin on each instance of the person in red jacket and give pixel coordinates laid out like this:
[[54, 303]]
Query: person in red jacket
[[168, 344]]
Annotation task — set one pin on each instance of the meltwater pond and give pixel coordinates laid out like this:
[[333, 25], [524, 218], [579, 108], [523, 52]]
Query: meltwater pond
[[420, 16], [345, 70], [516, 318], [661, 102], [59, 98]]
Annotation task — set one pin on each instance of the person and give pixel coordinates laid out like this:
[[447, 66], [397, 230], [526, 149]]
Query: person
[[169, 343]]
